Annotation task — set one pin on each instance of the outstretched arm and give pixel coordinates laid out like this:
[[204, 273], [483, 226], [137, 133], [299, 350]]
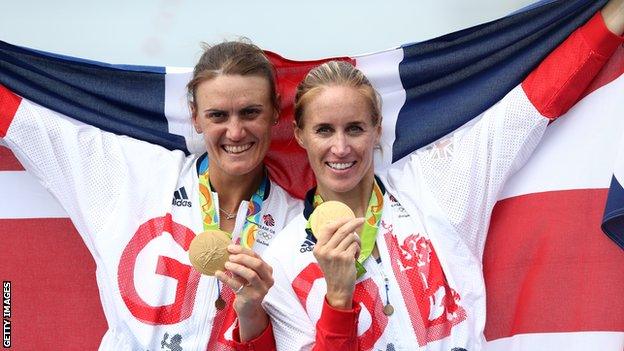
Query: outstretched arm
[[487, 152], [560, 80], [613, 14]]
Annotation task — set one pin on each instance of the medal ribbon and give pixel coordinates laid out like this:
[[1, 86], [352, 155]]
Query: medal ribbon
[[368, 234], [210, 216]]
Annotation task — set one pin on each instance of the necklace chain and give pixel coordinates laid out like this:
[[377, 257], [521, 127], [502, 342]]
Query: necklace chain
[[228, 215]]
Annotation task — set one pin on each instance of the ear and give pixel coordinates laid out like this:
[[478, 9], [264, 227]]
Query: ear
[[298, 132], [194, 119], [275, 117]]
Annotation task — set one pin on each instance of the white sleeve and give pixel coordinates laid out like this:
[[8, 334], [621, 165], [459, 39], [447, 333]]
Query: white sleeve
[[466, 170], [292, 328], [85, 169]]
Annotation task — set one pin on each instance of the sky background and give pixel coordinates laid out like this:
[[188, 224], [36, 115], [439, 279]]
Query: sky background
[[169, 32]]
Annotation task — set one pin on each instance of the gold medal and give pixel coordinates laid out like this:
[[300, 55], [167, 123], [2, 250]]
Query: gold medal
[[327, 213], [208, 251], [388, 310], [220, 303]]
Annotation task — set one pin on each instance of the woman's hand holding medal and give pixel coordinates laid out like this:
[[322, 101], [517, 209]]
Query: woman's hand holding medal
[[241, 269], [338, 245]]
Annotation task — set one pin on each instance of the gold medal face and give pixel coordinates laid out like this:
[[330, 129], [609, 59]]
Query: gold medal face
[[208, 251], [328, 212], [388, 310], [220, 303]]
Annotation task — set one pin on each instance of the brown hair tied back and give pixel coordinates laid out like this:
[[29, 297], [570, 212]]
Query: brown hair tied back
[[335, 73], [232, 58]]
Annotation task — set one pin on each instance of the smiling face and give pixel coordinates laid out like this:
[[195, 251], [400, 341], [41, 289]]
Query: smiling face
[[338, 134], [235, 114]]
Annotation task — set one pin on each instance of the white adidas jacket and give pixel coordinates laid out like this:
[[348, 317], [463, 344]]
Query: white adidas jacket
[[136, 206], [437, 207]]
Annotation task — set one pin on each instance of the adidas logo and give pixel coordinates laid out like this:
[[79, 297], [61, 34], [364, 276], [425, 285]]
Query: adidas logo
[[308, 243], [180, 198]]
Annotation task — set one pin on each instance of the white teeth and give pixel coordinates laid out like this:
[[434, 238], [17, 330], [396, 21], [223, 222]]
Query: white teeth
[[236, 149], [340, 166]]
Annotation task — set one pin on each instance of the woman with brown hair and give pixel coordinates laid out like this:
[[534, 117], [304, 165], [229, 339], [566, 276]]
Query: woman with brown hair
[[118, 193], [234, 103]]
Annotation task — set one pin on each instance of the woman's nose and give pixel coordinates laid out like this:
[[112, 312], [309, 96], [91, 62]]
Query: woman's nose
[[235, 130], [340, 146]]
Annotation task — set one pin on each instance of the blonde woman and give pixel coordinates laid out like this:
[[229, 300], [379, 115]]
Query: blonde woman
[[406, 273]]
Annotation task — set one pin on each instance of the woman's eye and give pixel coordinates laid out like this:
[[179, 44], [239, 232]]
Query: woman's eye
[[216, 115], [323, 130], [250, 112], [355, 129]]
